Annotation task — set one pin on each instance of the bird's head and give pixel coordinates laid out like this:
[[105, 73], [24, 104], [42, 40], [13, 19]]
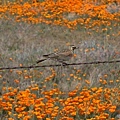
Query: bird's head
[[73, 47]]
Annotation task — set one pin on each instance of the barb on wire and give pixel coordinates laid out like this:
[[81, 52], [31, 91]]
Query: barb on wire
[[56, 65]]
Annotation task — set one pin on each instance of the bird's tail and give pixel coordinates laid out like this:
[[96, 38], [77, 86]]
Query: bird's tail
[[41, 60]]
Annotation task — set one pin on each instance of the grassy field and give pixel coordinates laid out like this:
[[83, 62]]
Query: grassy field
[[79, 92]]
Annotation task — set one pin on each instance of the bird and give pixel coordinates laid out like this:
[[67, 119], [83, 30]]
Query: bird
[[60, 56]]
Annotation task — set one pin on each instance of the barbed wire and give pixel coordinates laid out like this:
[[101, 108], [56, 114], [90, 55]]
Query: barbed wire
[[56, 65]]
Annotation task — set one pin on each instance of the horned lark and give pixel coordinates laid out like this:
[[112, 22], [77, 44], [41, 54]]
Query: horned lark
[[60, 56]]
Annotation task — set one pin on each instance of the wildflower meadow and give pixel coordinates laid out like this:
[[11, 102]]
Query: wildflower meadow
[[87, 87]]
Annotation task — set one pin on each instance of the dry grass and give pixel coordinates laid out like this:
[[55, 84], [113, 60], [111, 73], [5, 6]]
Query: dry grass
[[24, 44]]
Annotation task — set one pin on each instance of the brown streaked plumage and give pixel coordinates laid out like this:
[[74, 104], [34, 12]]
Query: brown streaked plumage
[[60, 56]]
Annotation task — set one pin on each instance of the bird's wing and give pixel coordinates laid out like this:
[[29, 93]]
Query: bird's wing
[[64, 56], [67, 53], [61, 55]]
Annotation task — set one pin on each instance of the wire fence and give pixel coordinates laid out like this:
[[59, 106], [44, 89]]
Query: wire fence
[[56, 65]]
